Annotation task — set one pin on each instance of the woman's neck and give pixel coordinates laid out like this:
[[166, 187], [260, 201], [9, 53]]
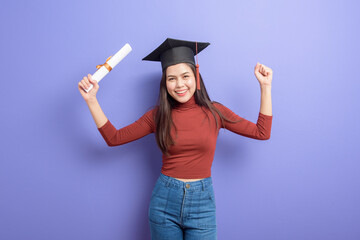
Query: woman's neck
[[186, 105]]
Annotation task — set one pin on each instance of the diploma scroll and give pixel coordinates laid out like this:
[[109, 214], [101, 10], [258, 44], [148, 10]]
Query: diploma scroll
[[110, 64]]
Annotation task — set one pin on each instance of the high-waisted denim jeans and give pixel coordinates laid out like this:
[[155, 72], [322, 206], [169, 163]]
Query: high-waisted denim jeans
[[182, 210]]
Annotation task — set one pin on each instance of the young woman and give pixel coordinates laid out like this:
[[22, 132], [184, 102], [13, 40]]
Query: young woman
[[186, 124]]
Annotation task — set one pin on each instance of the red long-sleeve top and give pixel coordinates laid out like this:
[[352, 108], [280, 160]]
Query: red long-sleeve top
[[192, 155]]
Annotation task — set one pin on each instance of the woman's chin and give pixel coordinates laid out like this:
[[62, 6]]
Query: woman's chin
[[183, 99]]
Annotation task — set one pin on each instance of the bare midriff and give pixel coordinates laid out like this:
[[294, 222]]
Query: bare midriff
[[188, 180]]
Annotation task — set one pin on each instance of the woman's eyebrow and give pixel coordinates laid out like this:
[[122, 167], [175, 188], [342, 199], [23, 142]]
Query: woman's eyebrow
[[175, 76]]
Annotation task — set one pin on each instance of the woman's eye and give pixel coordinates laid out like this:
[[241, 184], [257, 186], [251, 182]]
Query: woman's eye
[[186, 76], [170, 79]]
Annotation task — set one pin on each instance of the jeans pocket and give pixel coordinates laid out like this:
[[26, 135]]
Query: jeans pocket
[[212, 196], [207, 211], [158, 204]]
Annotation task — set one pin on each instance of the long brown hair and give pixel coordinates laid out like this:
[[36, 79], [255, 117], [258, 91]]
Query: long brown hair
[[165, 104]]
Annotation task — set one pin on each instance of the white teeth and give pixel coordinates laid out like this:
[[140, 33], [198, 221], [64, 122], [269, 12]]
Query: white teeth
[[182, 91]]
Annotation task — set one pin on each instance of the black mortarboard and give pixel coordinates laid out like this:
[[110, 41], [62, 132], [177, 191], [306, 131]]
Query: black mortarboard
[[174, 51]]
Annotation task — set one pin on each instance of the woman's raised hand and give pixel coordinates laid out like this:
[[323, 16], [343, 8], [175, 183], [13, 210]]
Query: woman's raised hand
[[85, 84], [263, 74]]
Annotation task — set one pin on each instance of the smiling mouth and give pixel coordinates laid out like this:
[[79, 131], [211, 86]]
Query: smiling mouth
[[181, 92]]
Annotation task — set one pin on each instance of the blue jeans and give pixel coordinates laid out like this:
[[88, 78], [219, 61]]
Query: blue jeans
[[182, 210]]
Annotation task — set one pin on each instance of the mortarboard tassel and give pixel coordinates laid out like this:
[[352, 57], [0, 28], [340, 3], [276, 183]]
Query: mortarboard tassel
[[197, 71]]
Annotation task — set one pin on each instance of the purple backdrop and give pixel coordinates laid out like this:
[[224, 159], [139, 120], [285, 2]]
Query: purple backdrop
[[58, 178]]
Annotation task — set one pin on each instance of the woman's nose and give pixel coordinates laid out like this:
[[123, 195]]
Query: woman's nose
[[179, 83]]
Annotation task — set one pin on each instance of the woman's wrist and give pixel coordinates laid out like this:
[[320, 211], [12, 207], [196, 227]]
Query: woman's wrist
[[265, 86], [91, 101]]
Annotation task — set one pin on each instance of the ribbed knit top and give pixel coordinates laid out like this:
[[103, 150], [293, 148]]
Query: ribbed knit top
[[192, 155]]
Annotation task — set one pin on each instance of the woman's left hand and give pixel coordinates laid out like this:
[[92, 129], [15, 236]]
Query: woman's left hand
[[263, 74]]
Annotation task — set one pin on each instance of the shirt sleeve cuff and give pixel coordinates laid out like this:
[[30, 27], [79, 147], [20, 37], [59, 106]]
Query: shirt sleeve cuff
[[266, 116]]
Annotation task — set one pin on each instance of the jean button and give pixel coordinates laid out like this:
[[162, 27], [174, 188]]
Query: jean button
[[187, 185]]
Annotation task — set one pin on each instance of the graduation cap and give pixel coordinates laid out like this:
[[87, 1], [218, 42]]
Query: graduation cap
[[174, 51]]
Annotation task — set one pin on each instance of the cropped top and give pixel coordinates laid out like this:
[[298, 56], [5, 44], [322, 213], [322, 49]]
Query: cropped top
[[191, 156]]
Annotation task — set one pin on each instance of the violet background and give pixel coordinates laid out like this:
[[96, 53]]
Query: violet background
[[59, 179]]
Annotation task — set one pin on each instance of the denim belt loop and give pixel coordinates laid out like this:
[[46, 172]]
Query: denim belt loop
[[203, 185], [168, 181]]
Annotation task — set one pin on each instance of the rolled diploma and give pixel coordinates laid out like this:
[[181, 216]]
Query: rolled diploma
[[113, 61]]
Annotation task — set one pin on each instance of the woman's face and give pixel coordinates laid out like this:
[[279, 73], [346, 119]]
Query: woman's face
[[180, 82]]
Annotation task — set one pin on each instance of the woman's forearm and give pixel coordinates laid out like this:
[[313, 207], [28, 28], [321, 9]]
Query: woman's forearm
[[265, 105], [97, 113]]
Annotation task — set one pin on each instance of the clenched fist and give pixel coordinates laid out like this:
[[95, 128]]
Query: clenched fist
[[263, 74], [85, 84]]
